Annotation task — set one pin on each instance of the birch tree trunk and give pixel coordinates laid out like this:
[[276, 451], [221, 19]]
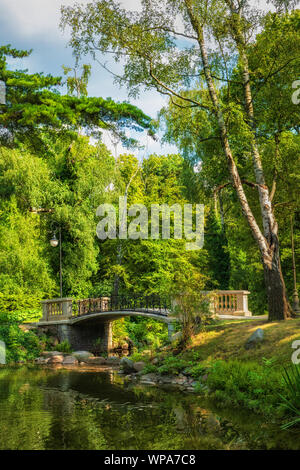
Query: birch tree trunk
[[267, 240]]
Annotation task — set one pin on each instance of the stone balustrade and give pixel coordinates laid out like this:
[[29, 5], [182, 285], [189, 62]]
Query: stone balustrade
[[57, 309], [231, 302]]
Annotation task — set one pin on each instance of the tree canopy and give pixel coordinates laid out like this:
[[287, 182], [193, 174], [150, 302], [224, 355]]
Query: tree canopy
[[36, 107]]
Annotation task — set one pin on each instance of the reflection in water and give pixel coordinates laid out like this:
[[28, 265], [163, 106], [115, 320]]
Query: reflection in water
[[77, 409]]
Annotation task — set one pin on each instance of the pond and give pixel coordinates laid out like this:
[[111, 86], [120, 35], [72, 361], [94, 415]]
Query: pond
[[48, 408]]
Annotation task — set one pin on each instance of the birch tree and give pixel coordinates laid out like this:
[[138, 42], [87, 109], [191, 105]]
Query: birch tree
[[175, 47]]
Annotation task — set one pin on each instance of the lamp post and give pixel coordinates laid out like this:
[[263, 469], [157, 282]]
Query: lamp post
[[296, 307], [55, 242]]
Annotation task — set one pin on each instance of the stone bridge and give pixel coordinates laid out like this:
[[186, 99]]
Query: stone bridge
[[84, 322]]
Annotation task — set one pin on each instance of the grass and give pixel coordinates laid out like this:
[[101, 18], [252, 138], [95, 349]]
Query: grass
[[226, 340], [252, 379]]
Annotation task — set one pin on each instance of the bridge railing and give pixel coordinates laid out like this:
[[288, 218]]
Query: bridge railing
[[153, 304], [231, 302], [57, 309], [225, 302]]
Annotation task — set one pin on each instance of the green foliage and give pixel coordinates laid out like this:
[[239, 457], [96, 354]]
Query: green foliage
[[147, 333], [216, 244], [191, 306], [64, 347], [247, 384], [172, 365], [196, 370], [292, 401], [20, 345], [150, 369], [35, 106], [119, 331]]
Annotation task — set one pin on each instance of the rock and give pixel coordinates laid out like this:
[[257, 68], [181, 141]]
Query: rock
[[82, 356], [166, 379], [70, 360], [39, 360], [138, 366], [56, 360], [113, 360], [51, 353], [180, 380], [256, 338], [149, 379], [127, 364], [97, 361]]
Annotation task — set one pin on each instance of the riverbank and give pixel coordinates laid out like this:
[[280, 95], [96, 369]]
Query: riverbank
[[220, 364], [217, 364]]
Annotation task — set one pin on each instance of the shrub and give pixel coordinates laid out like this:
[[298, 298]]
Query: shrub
[[20, 345], [64, 347], [196, 370], [292, 401], [249, 384], [172, 366]]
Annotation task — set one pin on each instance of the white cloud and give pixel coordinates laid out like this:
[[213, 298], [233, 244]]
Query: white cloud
[[34, 17]]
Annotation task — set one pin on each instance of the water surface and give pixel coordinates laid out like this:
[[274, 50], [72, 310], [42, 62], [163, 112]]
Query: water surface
[[44, 408]]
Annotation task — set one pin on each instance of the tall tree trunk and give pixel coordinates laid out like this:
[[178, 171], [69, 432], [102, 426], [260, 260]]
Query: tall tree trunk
[[267, 242], [279, 307]]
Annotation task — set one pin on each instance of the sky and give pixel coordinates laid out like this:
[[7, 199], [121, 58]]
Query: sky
[[34, 24]]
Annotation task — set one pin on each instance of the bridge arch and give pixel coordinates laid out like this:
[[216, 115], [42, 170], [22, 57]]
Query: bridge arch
[[92, 319]]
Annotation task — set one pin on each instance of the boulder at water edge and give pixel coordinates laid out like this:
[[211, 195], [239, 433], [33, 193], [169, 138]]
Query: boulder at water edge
[[96, 361], [138, 366], [56, 359], [113, 360], [51, 353], [70, 360], [82, 356], [127, 365]]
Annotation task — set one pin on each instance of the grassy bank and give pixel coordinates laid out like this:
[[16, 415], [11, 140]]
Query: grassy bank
[[232, 375]]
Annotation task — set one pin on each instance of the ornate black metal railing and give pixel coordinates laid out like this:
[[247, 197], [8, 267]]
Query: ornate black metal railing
[[145, 304]]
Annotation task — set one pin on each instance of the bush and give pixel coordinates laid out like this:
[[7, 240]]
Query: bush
[[196, 370], [172, 366], [11, 303], [20, 345], [248, 384], [64, 347], [147, 332], [291, 402]]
